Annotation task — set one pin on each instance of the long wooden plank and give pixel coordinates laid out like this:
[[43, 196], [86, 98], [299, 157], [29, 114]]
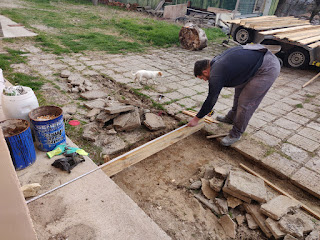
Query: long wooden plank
[[260, 28], [237, 21], [303, 206], [206, 118], [248, 21], [307, 35], [310, 40], [288, 29], [314, 45], [278, 24], [138, 154], [304, 32]]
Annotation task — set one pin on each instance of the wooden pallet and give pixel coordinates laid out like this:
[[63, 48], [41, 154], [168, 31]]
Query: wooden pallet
[[290, 29]]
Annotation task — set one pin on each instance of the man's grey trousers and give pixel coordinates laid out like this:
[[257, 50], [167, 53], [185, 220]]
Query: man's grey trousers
[[249, 95]]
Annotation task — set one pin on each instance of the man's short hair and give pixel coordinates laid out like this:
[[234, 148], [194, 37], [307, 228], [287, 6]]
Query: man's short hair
[[199, 66]]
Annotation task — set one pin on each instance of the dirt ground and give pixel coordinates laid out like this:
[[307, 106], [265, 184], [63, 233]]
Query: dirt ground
[[160, 186]]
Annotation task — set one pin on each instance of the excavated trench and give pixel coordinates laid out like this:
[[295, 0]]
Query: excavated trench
[[160, 186]]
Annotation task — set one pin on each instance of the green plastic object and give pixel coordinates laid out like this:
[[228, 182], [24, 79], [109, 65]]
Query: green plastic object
[[58, 150]]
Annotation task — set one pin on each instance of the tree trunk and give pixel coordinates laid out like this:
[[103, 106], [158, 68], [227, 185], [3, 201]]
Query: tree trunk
[[192, 37]]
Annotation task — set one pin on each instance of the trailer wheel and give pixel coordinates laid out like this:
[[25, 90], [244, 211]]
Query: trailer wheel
[[297, 58], [242, 35]]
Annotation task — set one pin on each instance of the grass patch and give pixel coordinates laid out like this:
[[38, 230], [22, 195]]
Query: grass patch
[[26, 80], [299, 105], [99, 42], [12, 57], [226, 96]]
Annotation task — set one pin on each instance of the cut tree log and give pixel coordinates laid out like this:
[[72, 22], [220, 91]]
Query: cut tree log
[[136, 155], [192, 37]]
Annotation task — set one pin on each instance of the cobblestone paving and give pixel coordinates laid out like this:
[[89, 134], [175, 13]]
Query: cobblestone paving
[[283, 135]]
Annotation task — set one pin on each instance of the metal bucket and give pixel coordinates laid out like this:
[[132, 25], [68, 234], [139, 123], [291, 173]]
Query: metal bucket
[[19, 140], [48, 127]]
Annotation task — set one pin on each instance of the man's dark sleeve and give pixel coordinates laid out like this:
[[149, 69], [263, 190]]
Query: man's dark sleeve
[[215, 86]]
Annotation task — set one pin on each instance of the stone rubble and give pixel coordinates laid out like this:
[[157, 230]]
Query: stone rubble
[[30, 190], [251, 222], [274, 228], [153, 122], [279, 206], [228, 225]]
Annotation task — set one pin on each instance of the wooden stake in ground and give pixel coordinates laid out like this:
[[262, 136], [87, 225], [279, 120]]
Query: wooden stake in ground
[[136, 155], [303, 206], [192, 37], [311, 80]]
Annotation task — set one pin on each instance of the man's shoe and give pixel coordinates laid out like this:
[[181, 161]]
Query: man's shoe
[[228, 140], [224, 119]]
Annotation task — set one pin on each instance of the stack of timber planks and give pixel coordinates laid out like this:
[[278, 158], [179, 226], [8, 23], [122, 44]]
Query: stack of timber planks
[[291, 29]]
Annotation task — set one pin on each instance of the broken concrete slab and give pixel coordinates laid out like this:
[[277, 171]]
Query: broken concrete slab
[[292, 225], [154, 122], [93, 94], [254, 210], [119, 109], [228, 225], [247, 185], [207, 203], [111, 131], [30, 190], [90, 132], [222, 171], [128, 121], [196, 185], [279, 206], [289, 237], [233, 202], [222, 205], [114, 145], [308, 224], [225, 189], [105, 117], [76, 79], [65, 74], [97, 103], [69, 109], [87, 83], [93, 112], [314, 235], [274, 228], [240, 219], [206, 190], [251, 222], [216, 183]]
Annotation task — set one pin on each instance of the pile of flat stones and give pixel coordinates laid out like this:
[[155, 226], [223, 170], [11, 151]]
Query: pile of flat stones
[[239, 198], [107, 116]]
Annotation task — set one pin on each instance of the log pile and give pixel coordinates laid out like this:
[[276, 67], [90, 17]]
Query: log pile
[[192, 37]]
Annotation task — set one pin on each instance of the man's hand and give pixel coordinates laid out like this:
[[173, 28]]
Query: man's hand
[[194, 122]]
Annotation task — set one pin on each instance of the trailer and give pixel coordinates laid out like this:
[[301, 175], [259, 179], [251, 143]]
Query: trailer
[[298, 40]]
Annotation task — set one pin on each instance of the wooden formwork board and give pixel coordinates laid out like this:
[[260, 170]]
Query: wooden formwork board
[[238, 21], [314, 45], [275, 23], [247, 22], [136, 155], [302, 32], [310, 40]]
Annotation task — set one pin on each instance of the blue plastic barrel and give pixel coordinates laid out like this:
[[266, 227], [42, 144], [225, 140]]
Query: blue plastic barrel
[[18, 136], [48, 127]]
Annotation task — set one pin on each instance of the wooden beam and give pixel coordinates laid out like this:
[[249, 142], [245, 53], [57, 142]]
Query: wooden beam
[[296, 33], [260, 28], [311, 80], [136, 155], [310, 40], [303, 206], [314, 45], [237, 21], [193, 113], [249, 22], [288, 29]]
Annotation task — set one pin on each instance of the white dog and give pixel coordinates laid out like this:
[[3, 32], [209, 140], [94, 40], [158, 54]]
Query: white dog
[[147, 75]]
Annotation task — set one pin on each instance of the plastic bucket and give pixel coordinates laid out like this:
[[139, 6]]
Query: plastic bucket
[[19, 106], [48, 126], [19, 140]]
